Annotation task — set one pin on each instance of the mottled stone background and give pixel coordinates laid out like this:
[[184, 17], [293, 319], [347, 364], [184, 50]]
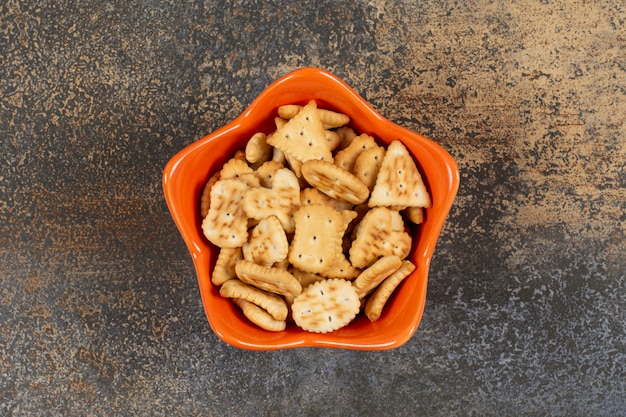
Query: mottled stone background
[[99, 306]]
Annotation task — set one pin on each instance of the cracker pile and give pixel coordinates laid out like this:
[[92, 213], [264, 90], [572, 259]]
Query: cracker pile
[[311, 222]]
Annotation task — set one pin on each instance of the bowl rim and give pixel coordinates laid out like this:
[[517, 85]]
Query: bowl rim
[[224, 325]]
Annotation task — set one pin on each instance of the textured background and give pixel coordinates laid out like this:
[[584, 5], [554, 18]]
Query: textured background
[[99, 306]]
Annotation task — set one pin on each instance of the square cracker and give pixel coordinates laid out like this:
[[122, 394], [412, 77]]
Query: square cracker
[[226, 224], [318, 238]]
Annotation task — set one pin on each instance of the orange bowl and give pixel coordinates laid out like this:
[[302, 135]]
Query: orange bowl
[[187, 172]]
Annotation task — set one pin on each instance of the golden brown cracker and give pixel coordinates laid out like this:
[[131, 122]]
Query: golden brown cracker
[[399, 182], [347, 135], [347, 157], [335, 181], [276, 280], [414, 214], [266, 173], [225, 265], [317, 238], [310, 195], [377, 300], [368, 164], [303, 136], [377, 235], [235, 167], [326, 306], [257, 149], [375, 274], [226, 224], [281, 200], [259, 316], [267, 243], [205, 198], [270, 302], [330, 119], [305, 278]]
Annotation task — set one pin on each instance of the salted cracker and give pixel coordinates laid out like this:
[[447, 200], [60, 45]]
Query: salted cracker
[[257, 149], [224, 268], [267, 243], [311, 195], [347, 157], [330, 119], [317, 238], [379, 233], [303, 136], [226, 223], [368, 164], [326, 306], [234, 168], [376, 301], [267, 171], [276, 280], [205, 198], [399, 182], [259, 316], [335, 181], [375, 274], [281, 200], [270, 302]]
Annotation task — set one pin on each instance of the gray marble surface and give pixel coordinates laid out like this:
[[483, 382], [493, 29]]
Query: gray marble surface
[[100, 313]]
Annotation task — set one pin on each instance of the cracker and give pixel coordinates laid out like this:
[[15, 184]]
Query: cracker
[[267, 243], [281, 200], [379, 233], [342, 268], [335, 181], [317, 238], [234, 168], [276, 280], [414, 214], [257, 149], [305, 278], [272, 303], [399, 182], [226, 224], [368, 164], [259, 316], [347, 135], [377, 300], [225, 265], [326, 306], [205, 199], [333, 139], [375, 274], [266, 173], [312, 195], [347, 157], [330, 119], [303, 136]]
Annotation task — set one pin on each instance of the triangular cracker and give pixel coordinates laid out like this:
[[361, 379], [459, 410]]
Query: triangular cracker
[[303, 137], [399, 182], [379, 234]]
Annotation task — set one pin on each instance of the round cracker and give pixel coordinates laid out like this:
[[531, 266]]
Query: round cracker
[[326, 306]]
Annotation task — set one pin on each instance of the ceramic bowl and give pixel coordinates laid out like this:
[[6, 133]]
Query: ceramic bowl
[[187, 172]]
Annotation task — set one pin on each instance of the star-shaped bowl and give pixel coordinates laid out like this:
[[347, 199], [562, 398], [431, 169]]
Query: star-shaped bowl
[[187, 172]]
